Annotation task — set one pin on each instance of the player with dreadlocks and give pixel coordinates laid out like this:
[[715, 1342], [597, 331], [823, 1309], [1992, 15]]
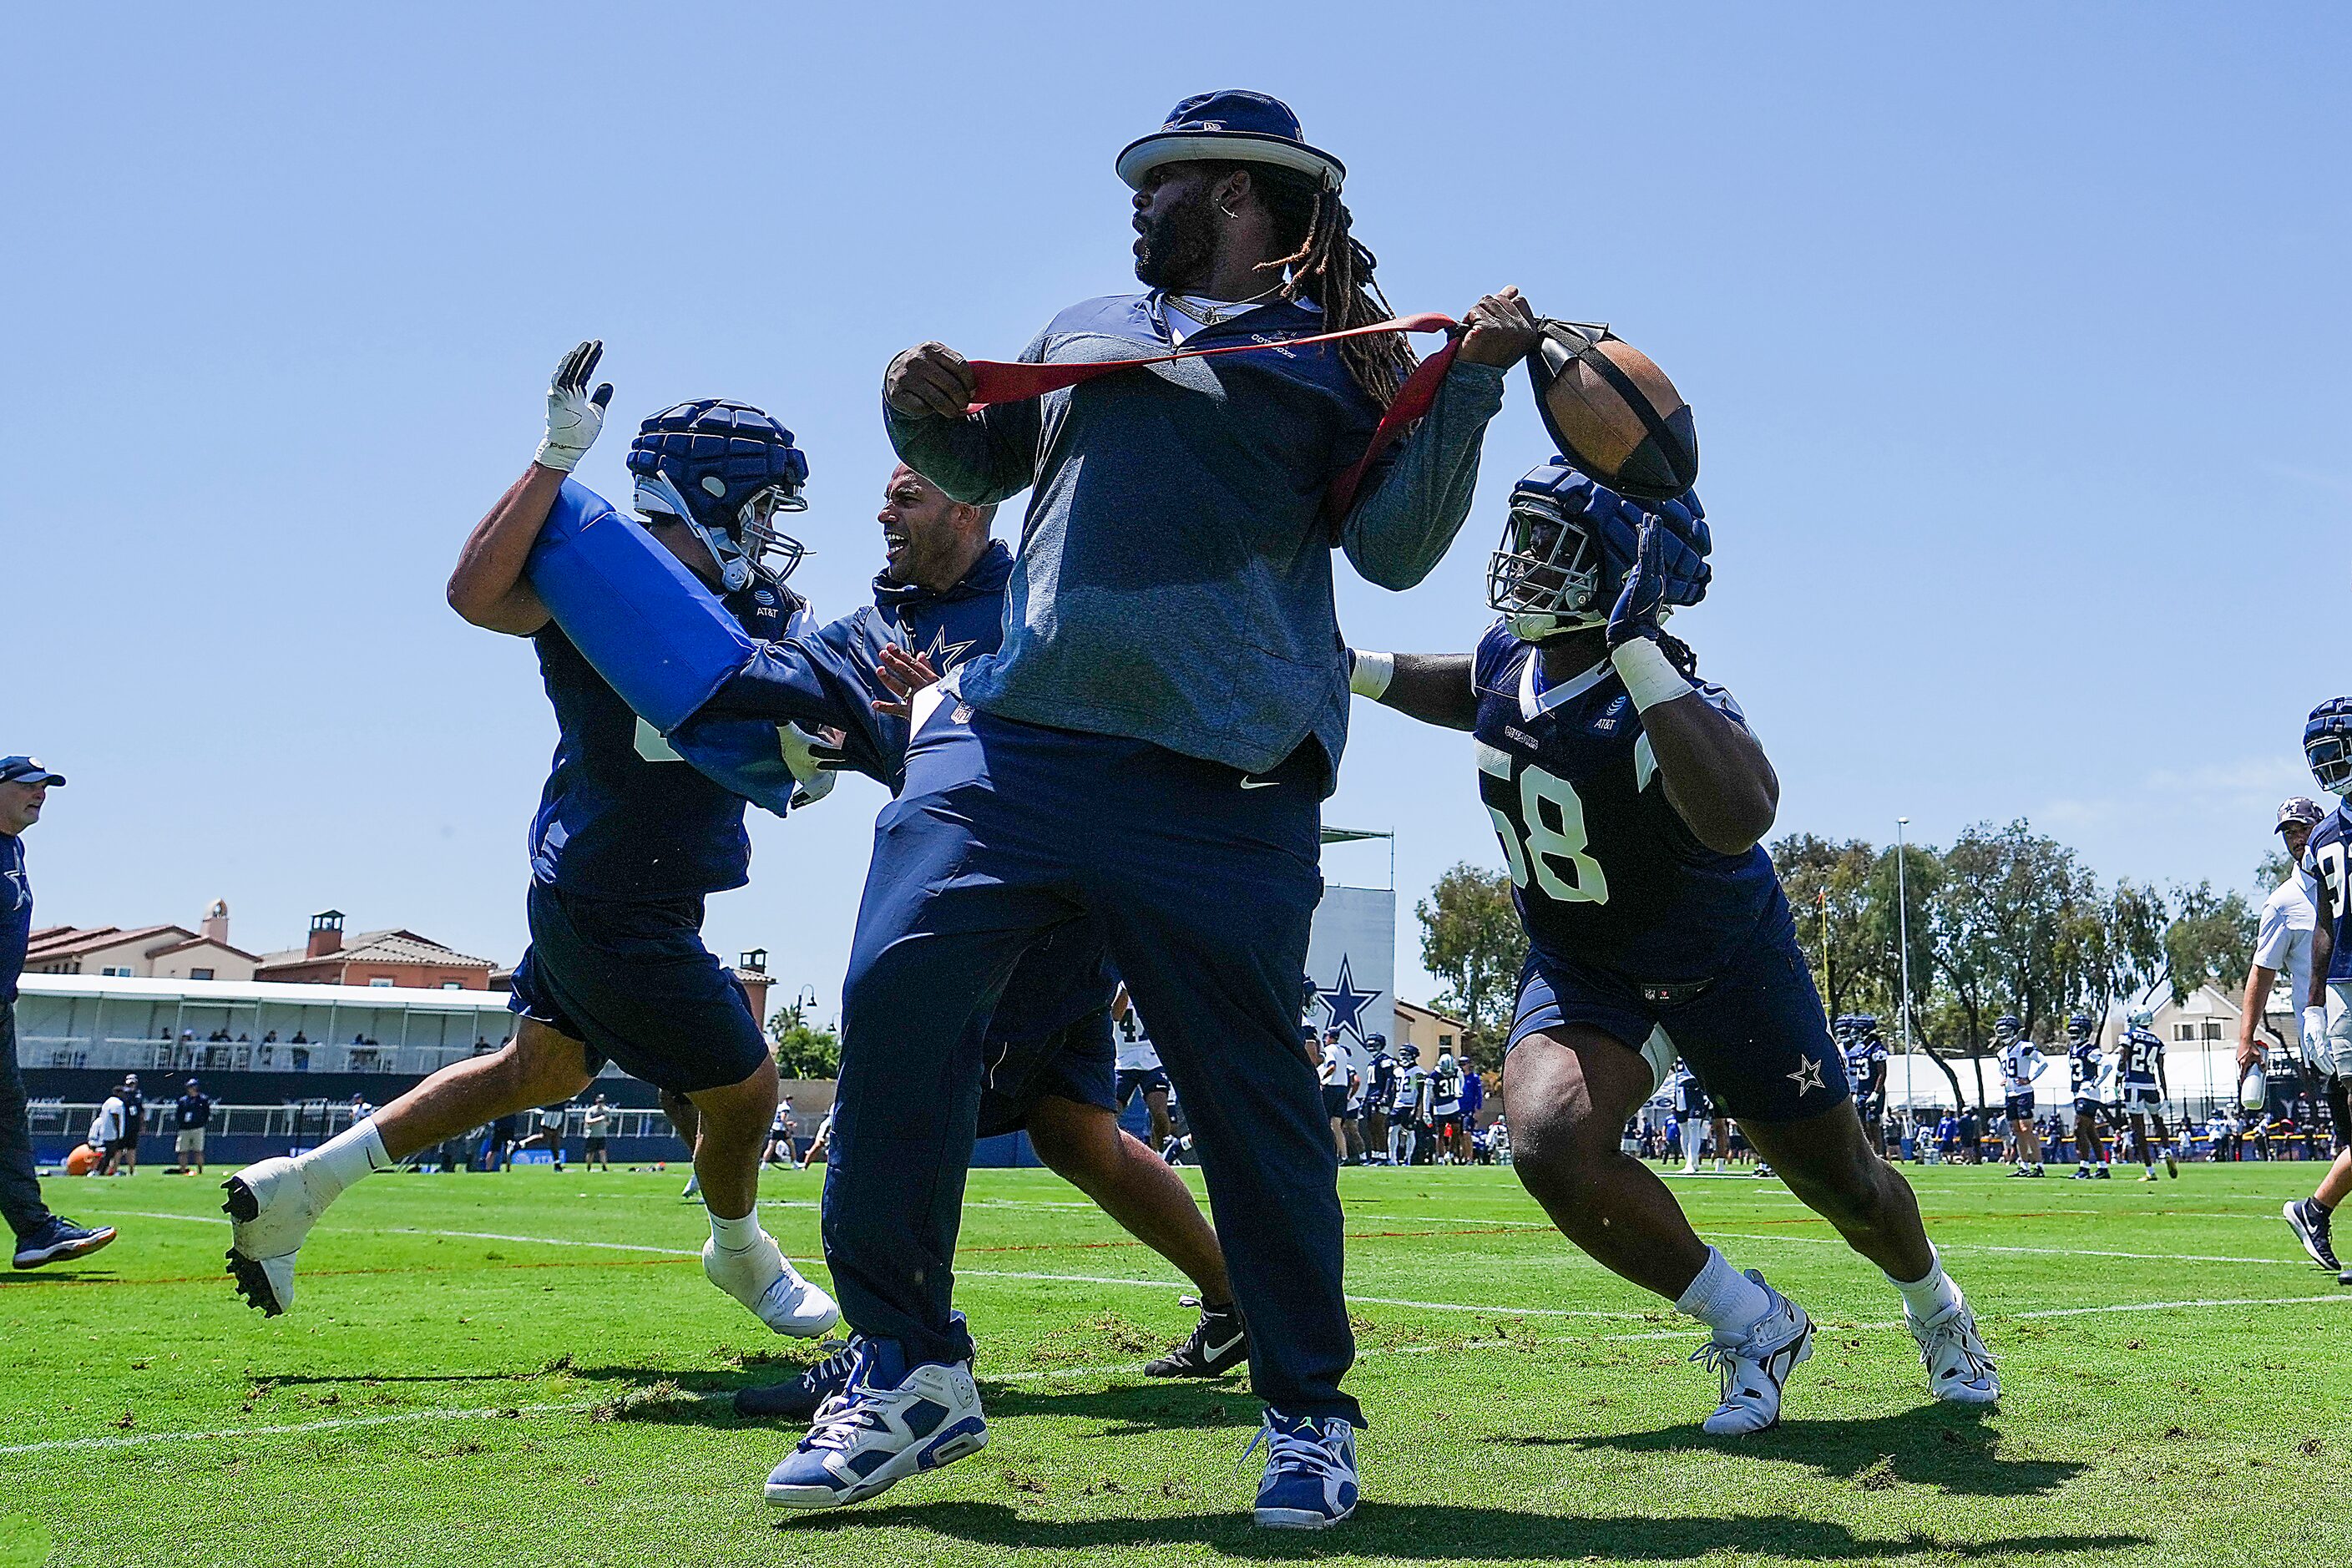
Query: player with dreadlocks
[[1171, 677]]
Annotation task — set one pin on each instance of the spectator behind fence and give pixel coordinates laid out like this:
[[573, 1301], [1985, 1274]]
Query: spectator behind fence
[[190, 1114]]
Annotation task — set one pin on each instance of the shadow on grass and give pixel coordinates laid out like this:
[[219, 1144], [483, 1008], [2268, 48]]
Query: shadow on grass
[[1947, 1445], [1443, 1531], [1150, 1407]]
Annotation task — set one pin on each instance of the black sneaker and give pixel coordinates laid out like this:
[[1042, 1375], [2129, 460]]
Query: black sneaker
[[1218, 1344], [797, 1399], [60, 1239], [2309, 1223]]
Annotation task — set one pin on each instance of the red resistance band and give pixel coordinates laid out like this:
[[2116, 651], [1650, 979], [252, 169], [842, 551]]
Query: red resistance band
[[996, 380]]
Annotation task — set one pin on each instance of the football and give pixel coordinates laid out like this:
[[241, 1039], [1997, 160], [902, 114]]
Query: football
[[82, 1161], [1613, 412]]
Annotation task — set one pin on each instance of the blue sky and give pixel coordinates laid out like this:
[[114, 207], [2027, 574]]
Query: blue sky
[[2015, 335]]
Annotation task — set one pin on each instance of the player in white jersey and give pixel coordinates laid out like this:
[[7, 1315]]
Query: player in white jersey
[[2021, 1062], [2086, 1073], [1140, 1072]]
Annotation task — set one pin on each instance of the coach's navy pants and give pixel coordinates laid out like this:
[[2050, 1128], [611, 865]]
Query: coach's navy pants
[[1201, 881]]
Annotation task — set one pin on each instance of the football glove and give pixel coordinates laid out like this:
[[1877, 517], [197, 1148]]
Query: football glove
[[574, 414], [1635, 614], [814, 763]]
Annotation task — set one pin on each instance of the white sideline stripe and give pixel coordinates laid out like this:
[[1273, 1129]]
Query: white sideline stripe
[[2035, 1251], [2163, 1306], [141, 1439]]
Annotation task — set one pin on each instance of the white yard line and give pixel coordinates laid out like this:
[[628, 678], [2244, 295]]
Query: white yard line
[[2036, 1251]]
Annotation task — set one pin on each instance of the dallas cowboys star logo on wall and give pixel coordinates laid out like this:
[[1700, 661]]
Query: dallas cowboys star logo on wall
[[1346, 1003], [1806, 1079]]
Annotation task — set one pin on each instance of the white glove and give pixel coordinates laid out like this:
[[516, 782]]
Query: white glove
[[575, 415], [2315, 1029], [801, 756]]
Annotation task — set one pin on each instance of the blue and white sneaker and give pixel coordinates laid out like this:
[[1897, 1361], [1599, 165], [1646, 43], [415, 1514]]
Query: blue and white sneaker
[[1755, 1366], [800, 1398], [1310, 1472], [891, 1422]]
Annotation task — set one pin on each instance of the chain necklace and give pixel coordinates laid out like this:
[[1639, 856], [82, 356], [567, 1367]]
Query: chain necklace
[[1209, 315]]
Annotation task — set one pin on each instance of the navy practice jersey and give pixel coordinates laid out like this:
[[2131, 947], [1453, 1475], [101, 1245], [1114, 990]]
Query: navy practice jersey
[[1604, 872], [2086, 1068], [1381, 1086], [2141, 1054], [2326, 857], [16, 914], [830, 676], [1866, 1066], [622, 815]]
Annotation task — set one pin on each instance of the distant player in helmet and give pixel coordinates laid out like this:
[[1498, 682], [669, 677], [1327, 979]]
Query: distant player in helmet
[[2327, 995], [627, 843], [1866, 1069], [1630, 799], [2141, 1091], [2021, 1062], [2086, 1073]]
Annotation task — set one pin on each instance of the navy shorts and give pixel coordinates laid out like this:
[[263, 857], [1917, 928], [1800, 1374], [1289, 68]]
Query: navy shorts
[[1753, 1033], [631, 979], [1071, 1063], [2090, 1110], [1133, 1081], [2020, 1107], [2140, 1098]]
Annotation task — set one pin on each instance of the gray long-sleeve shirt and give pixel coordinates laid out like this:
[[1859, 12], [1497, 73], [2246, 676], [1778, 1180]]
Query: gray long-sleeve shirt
[[1174, 579]]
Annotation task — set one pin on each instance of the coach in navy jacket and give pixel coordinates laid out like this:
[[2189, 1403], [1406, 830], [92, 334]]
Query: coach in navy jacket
[[1149, 749]]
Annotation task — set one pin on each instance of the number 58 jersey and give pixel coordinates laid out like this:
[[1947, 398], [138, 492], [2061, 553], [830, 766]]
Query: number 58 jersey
[[1602, 868]]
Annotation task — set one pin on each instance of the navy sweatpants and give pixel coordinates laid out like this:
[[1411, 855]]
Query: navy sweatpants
[[1201, 882]]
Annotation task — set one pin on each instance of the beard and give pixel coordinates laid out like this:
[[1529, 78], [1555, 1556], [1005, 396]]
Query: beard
[[1178, 246]]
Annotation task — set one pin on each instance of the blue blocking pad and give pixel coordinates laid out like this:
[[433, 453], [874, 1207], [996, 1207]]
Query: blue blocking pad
[[657, 636], [646, 623]]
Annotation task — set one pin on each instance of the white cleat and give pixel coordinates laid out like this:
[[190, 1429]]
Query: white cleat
[[760, 1278], [1959, 1368], [271, 1210], [1754, 1367]]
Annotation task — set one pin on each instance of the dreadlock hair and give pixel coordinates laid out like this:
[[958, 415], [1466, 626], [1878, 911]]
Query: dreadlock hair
[[1328, 266], [1678, 654]]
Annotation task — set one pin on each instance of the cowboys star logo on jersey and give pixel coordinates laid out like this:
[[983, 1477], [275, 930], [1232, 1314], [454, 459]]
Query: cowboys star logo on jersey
[[944, 654]]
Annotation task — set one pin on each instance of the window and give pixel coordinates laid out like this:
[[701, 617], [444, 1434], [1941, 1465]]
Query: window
[[1444, 1042], [381, 980], [2184, 1032], [453, 986], [123, 970], [2213, 1028], [200, 974]]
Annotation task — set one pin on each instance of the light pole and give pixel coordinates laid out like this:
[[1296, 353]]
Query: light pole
[[1903, 929]]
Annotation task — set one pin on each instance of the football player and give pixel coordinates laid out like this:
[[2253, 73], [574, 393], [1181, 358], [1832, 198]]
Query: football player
[[1412, 1113], [1047, 1054], [2140, 1091], [628, 842], [1446, 1109], [2021, 1062], [2086, 1072], [1139, 1071], [1701, 1120], [1380, 1099], [2327, 993], [1630, 800], [1866, 1069]]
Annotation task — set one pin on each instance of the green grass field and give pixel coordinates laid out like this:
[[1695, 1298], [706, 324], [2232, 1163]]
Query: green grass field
[[530, 1369]]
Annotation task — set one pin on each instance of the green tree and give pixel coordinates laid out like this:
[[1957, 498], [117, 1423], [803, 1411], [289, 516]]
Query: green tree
[[1470, 938], [2112, 947], [2210, 938], [803, 1049], [1828, 888], [1928, 1004]]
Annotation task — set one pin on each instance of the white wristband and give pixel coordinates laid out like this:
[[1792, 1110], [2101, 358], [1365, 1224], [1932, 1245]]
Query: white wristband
[[1372, 674], [1649, 675]]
